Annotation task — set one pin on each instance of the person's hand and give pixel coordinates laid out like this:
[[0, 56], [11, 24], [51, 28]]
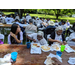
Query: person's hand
[[56, 61], [34, 40], [60, 42], [64, 42], [13, 35]]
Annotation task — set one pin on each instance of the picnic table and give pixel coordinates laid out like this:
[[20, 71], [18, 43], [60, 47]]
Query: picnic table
[[9, 25], [25, 58]]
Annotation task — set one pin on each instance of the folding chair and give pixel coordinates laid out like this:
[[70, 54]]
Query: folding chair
[[2, 37]]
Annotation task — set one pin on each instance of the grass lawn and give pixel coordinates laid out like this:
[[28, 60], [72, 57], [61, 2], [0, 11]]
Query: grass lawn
[[52, 17]]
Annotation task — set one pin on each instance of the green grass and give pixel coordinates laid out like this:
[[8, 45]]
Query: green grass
[[52, 17], [7, 13]]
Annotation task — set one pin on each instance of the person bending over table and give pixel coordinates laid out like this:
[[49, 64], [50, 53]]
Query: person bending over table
[[57, 36], [71, 40], [38, 38], [16, 35]]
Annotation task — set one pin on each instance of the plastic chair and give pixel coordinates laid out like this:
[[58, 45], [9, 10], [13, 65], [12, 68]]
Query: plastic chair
[[2, 37]]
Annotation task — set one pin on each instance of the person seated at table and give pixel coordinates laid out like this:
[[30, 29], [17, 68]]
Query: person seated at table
[[16, 35], [24, 22], [68, 23], [70, 30], [31, 27], [71, 40], [9, 20], [17, 17], [38, 38], [56, 23], [64, 27], [57, 36]]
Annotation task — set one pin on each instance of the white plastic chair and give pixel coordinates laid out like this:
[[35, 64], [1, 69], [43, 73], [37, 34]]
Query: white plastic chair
[[29, 32], [2, 37]]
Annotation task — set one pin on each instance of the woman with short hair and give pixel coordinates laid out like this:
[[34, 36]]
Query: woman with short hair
[[57, 36]]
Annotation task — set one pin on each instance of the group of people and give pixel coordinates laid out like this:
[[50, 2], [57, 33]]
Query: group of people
[[34, 24]]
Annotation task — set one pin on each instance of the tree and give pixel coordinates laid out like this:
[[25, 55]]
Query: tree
[[59, 12]]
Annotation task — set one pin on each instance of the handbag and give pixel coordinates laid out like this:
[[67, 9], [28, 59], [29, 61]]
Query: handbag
[[1, 42]]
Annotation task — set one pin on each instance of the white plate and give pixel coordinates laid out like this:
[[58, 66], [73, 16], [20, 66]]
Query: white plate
[[34, 49], [47, 50], [56, 49]]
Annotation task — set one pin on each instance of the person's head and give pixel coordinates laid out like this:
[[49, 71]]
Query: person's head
[[15, 29], [16, 20], [56, 21], [40, 18], [63, 22], [8, 15], [51, 23], [25, 21], [30, 21], [40, 35], [59, 30]]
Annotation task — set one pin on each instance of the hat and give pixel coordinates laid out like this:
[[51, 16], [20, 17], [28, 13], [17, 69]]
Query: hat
[[51, 23]]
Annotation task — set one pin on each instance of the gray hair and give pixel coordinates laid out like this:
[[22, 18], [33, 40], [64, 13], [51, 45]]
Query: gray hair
[[59, 28], [40, 33]]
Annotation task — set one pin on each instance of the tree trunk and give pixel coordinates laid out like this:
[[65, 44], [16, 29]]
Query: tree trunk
[[57, 15]]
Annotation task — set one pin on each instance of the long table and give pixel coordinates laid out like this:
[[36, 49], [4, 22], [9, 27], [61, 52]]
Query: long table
[[8, 25], [25, 58]]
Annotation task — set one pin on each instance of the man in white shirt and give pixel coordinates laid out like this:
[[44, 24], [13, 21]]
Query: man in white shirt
[[8, 19], [28, 17], [38, 38], [17, 17]]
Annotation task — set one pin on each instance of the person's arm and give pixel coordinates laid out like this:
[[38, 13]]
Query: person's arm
[[64, 42], [31, 39], [73, 40], [52, 40], [14, 36]]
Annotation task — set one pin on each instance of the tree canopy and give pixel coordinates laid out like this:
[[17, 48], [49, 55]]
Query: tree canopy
[[56, 12]]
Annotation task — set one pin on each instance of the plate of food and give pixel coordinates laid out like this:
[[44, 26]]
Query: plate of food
[[35, 48], [35, 45], [56, 47], [45, 48]]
